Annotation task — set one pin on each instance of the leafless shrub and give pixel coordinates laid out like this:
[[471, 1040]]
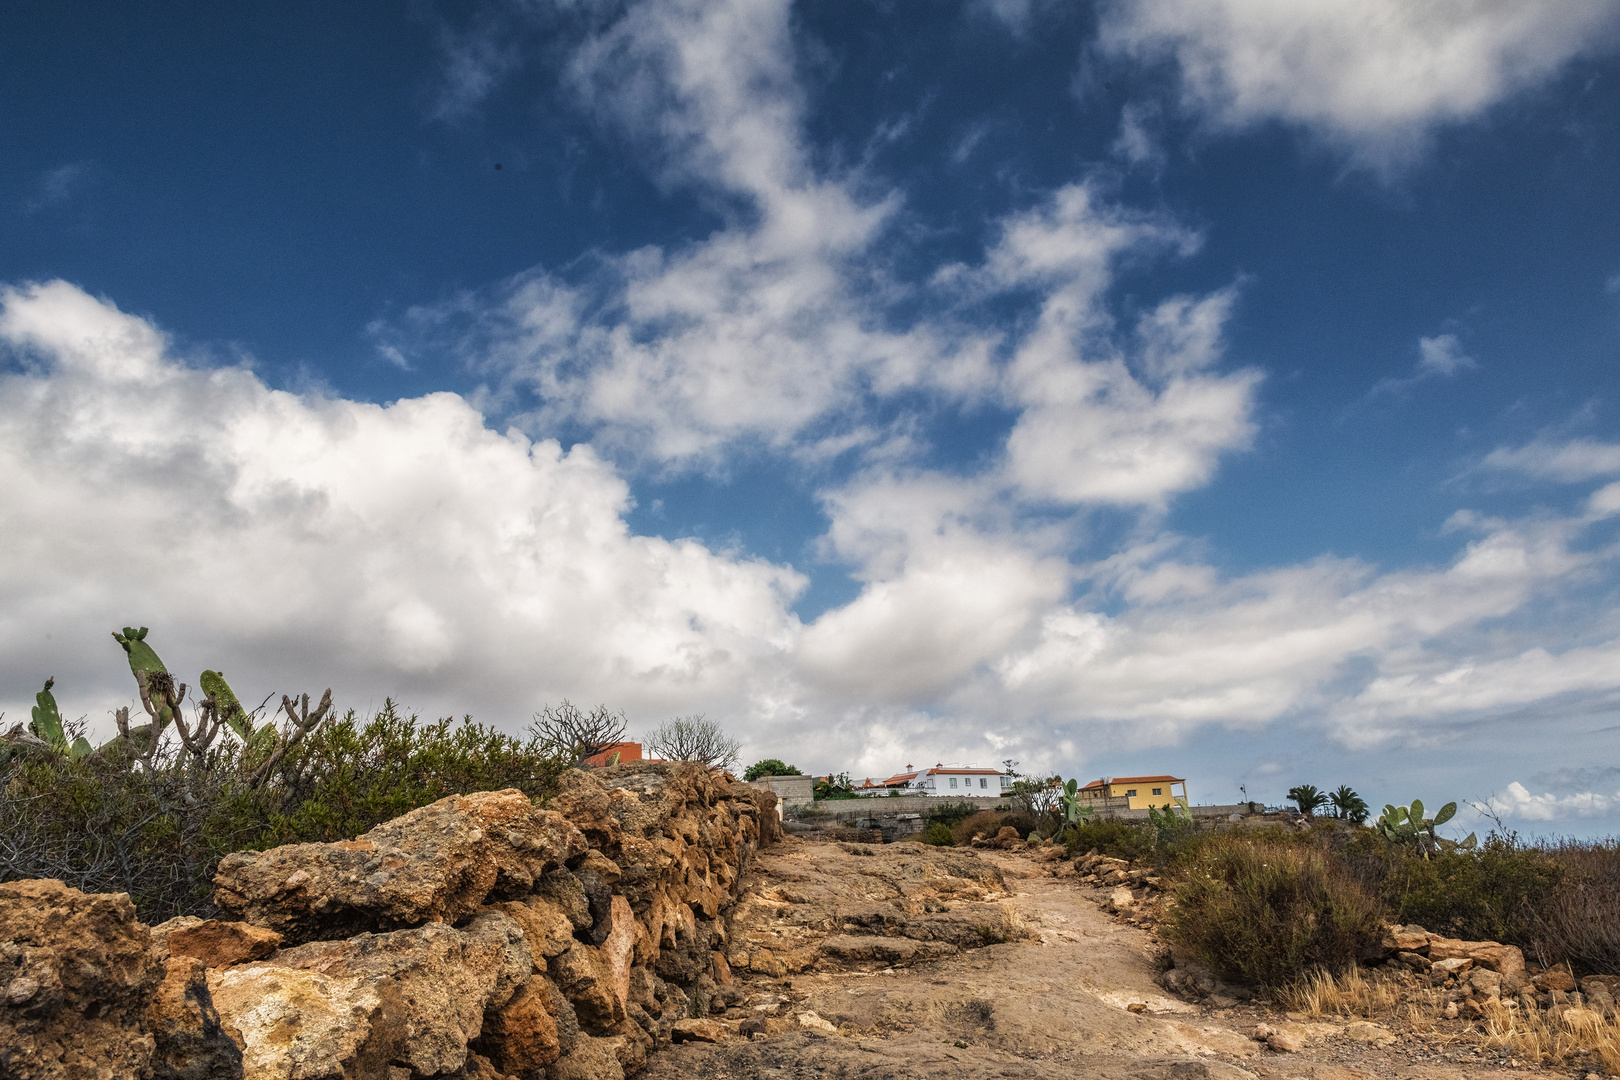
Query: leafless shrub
[[692, 738], [578, 734]]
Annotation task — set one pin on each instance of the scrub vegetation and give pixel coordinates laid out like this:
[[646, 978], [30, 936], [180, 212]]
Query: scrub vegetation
[[151, 811]]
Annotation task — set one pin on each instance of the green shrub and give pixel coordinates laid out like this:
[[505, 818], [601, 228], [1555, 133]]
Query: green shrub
[[1257, 911], [1119, 839], [938, 834], [770, 767], [101, 825], [985, 823], [949, 813], [1497, 893]]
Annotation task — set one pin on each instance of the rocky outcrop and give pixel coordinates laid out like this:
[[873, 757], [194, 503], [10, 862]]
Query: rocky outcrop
[[832, 907], [479, 937], [88, 996]]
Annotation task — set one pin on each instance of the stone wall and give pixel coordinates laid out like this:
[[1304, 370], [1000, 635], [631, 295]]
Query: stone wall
[[479, 937], [792, 791]]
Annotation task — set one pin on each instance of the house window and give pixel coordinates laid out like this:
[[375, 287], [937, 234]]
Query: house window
[[953, 781], [1131, 794], [1158, 791], [983, 782]]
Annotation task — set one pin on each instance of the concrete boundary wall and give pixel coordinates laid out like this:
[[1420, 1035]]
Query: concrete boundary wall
[[884, 805]]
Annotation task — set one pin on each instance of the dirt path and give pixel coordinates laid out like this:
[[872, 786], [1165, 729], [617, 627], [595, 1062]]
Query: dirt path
[[1078, 998]]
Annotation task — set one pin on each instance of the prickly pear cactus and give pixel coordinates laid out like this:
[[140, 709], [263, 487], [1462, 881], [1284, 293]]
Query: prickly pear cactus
[[47, 724], [1407, 825], [229, 709], [149, 672]]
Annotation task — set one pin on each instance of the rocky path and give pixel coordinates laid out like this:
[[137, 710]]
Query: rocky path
[[1075, 996]]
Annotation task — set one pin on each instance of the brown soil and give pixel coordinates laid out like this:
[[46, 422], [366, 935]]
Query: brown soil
[[1078, 996]]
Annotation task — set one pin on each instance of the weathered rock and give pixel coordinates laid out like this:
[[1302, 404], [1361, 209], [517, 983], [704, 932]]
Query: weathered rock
[[221, 944], [1484, 982], [434, 984], [619, 947], [565, 892], [1443, 969], [1557, 979], [76, 971], [437, 863], [1367, 1032], [547, 930], [1285, 1042], [1405, 939], [191, 1043], [811, 1021], [521, 1035], [700, 1030], [591, 1059], [587, 982], [884, 951], [294, 1023], [1505, 960]]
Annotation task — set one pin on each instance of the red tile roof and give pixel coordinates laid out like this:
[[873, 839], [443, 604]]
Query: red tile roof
[[1136, 780]]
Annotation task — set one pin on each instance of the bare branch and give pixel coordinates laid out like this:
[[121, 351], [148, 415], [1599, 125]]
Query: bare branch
[[578, 735], [692, 738]]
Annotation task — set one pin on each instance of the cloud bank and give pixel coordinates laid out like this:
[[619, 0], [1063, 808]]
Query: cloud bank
[[1374, 78], [413, 549]]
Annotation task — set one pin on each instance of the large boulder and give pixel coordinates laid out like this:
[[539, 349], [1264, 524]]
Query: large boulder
[[432, 984], [438, 863], [192, 1043], [295, 1023], [76, 973]]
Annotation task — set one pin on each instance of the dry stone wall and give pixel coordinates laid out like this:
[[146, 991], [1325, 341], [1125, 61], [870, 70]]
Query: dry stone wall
[[478, 938]]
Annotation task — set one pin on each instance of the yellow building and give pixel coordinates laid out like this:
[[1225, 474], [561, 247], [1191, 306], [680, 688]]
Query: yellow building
[[1135, 792]]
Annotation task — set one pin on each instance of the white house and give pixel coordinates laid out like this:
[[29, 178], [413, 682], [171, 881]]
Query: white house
[[943, 780]]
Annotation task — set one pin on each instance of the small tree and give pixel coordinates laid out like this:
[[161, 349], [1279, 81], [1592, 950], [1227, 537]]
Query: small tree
[[1307, 798], [1348, 805], [770, 767], [832, 786], [692, 738], [1041, 798], [579, 735]]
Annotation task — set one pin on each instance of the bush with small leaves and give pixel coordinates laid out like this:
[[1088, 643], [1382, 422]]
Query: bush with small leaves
[[770, 767]]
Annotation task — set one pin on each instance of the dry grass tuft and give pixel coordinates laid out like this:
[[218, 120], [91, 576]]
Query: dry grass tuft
[[1353, 993], [1553, 1037]]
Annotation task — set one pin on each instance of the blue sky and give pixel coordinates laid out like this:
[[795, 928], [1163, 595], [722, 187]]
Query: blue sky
[[1212, 387]]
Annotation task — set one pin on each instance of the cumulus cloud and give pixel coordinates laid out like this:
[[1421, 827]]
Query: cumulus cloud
[[1374, 77], [408, 549], [1518, 802], [402, 549], [780, 330]]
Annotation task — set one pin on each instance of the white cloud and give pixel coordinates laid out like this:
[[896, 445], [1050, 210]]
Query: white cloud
[[401, 549], [1191, 650], [408, 550], [1569, 461], [1439, 357], [1517, 802], [1442, 355], [1375, 77]]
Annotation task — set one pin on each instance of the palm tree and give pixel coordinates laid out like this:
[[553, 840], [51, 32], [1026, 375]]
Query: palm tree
[[1307, 798], [1347, 804]]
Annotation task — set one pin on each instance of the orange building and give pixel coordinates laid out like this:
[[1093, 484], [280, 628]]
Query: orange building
[[627, 751]]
